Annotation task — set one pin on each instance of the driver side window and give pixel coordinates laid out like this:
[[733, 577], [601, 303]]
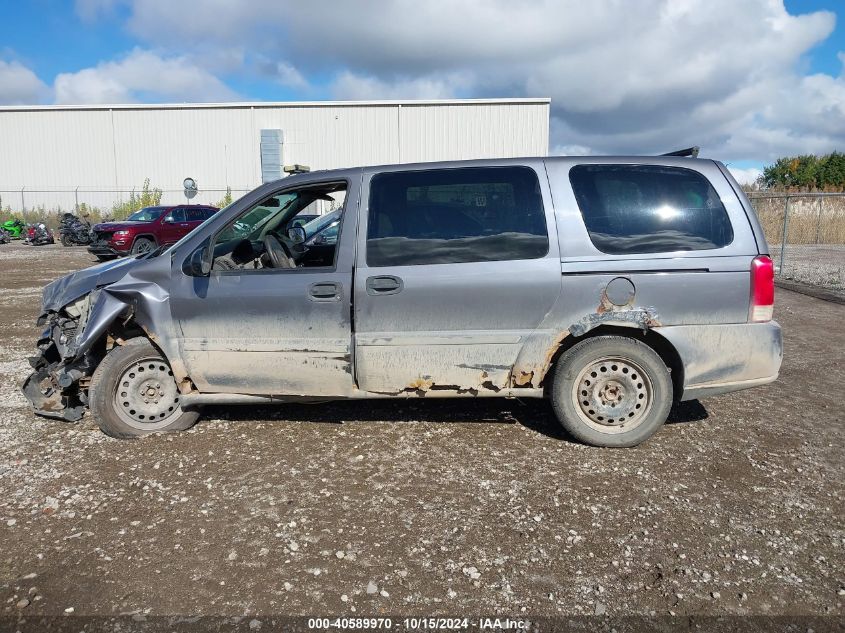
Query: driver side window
[[259, 238], [176, 215]]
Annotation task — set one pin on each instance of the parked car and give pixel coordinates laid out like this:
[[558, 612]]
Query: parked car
[[146, 229], [301, 220], [612, 286], [318, 240]]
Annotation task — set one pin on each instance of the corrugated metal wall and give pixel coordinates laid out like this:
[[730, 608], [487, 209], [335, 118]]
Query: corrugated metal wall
[[116, 148]]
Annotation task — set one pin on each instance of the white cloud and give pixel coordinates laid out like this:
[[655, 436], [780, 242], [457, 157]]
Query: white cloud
[[353, 86], [141, 76], [745, 176], [90, 10], [624, 77], [20, 85], [289, 76], [570, 150]]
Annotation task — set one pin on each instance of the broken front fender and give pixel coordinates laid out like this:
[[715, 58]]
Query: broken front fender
[[71, 287], [83, 330], [105, 310]]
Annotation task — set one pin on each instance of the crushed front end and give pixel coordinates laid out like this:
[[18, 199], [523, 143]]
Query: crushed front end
[[57, 388], [85, 314]]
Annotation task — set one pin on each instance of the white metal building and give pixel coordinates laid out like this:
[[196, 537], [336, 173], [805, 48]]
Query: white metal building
[[57, 155]]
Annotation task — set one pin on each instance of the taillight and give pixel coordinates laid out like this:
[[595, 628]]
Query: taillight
[[762, 289]]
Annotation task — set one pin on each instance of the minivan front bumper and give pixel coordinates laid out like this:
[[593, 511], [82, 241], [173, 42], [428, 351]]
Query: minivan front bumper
[[719, 359]]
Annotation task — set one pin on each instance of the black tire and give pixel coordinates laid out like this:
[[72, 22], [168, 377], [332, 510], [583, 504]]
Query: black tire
[[611, 391], [66, 241], [143, 245], [122, 369]]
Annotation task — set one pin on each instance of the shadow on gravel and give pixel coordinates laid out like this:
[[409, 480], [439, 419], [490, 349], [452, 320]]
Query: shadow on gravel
[[689, 411], [536, 415]]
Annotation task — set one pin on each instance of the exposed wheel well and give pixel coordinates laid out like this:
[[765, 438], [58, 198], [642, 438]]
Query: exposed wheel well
[[146, 236], [119, 332], [654, 340]]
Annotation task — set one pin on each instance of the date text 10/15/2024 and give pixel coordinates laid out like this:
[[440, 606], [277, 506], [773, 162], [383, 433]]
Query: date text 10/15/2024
[[414, 624]]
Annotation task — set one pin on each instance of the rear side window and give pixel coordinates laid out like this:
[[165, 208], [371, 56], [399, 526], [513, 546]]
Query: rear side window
[[196, 215], [448, 216], [649, 209]]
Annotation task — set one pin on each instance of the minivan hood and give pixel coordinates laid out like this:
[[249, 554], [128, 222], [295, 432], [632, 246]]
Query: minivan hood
[[67, 289]]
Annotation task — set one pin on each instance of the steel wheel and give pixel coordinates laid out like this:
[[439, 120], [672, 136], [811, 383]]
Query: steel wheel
[[613, 395], [146, 396]]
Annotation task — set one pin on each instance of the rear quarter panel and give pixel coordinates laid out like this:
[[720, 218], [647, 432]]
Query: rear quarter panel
[[681, 287], [693, 290]]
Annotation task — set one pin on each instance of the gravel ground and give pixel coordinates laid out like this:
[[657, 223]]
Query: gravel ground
[[820, 265], [427, 507]]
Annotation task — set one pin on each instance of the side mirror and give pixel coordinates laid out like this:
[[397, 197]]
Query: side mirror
[[296, 234], [198, 263]]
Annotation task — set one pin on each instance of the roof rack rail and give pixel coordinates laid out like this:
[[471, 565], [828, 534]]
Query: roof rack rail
[[689, 152]]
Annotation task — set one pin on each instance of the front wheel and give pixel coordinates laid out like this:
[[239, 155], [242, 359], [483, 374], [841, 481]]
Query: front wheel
[[611, 391], [142, 245], [133, 393], [66, 240]]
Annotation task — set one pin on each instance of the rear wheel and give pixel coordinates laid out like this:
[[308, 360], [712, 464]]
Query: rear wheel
[[66, 241], [611, 391], [142, 245], [133, 393]]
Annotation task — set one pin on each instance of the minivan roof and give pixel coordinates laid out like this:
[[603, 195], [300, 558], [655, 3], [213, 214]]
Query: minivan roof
[[346, 172]]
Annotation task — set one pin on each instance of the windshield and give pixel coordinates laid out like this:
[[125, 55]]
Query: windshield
[[319, 223], [251, 224], [147, 214]]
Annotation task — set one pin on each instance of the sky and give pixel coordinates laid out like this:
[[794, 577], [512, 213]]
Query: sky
[[747, 80]]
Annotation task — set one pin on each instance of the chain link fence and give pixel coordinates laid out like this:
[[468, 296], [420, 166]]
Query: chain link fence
[[806, 235], [47, 204], [805, 231]]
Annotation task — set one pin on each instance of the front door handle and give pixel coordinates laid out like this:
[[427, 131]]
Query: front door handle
[[384, 285], [324, 291]]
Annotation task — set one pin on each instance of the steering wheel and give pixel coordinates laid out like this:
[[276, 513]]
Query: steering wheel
[[277, 251]]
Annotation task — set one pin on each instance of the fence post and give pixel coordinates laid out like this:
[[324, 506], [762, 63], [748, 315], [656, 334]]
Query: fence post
[[23, 202], [783, 235], [76, 200], [819, 220]]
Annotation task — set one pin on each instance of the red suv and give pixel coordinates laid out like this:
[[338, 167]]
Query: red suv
[[147, 229]]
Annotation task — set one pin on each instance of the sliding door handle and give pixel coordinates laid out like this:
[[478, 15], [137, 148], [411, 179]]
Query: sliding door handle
[[384, 285]]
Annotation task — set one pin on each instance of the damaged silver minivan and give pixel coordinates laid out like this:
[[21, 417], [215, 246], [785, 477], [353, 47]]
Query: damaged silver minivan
[[613, 286]]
